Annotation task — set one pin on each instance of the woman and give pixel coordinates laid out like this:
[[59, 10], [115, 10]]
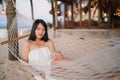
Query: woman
[[39, 49]]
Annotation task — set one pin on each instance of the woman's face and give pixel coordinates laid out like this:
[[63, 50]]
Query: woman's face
[[40, 31]]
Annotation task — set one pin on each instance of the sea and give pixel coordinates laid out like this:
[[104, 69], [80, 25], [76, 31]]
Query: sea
[[3, 21], [23, 26]]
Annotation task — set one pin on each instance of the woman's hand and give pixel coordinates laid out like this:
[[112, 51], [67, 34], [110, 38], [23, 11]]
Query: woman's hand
[[54, 57]]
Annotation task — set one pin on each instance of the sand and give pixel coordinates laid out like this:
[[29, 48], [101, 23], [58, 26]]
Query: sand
[[10, 70]]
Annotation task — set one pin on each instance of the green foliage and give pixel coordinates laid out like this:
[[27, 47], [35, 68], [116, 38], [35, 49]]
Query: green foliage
[[0, 1]]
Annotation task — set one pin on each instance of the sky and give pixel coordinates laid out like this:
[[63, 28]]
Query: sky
[[41, 9]]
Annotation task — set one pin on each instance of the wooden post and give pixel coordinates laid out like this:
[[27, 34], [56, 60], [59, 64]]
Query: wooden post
[[14, 39]]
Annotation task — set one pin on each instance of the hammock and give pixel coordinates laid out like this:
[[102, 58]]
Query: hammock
[[83, 53]]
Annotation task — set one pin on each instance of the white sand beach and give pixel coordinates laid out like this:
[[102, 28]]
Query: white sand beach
[[3, 33], [10, 70], [95, 55]]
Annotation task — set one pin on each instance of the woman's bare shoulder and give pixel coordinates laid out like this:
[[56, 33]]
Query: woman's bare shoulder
[[50, 41], [27, 42]]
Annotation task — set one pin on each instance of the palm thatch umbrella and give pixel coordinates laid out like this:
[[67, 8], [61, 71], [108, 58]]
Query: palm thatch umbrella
[[106, 6]]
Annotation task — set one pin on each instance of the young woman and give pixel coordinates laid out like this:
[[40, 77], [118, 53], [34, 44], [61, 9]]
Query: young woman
[[39, 49]]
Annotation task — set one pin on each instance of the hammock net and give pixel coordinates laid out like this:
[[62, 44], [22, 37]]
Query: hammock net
[[90, 58]]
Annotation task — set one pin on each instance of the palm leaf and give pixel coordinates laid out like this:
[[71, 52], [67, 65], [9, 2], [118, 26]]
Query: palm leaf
[[0, 1]]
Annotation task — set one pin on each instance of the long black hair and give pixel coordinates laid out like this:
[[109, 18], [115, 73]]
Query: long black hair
[[34, 26]]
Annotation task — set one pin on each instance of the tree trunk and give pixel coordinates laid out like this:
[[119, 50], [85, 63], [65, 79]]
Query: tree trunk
[[32, 11], [109, 15], [10, 13], [54, 13], [66, 17], [55, 10], [72, 19], [89, 13], [99, 14], [81, 13]]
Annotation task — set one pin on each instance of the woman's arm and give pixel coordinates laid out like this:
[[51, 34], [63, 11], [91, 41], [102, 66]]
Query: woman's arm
[[25, 50], [57, 56], [52, 48]]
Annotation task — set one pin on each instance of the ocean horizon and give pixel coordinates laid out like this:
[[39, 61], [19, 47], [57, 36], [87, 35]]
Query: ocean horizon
[[3, 21], [2, 26], [22, 26]]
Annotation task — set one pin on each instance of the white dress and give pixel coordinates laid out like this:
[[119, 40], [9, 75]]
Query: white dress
[[41, 59]]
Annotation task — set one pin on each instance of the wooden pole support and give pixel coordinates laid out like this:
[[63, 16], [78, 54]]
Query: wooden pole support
[[14, 39]]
